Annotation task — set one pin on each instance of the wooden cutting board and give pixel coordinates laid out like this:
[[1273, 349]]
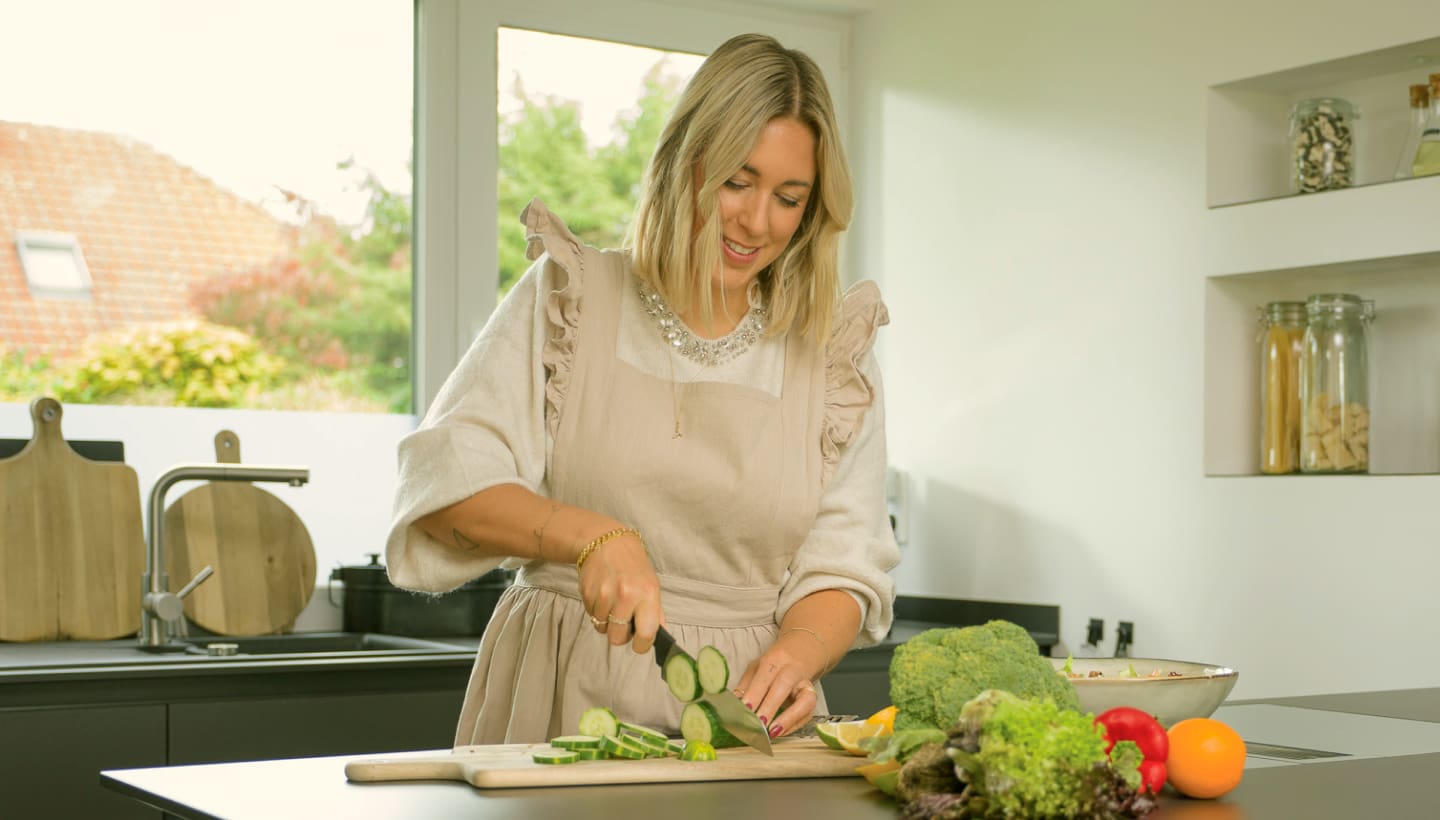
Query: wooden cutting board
[[262, 554], [510, 767], [72, 541]]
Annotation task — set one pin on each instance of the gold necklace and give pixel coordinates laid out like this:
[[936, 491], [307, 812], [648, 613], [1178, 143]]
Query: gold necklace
[[675, 389]]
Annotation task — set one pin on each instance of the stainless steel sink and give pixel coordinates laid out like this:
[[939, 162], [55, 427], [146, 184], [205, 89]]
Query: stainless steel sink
[[312, 643]]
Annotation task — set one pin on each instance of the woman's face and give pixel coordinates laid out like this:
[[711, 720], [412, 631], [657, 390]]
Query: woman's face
[[762, 203]]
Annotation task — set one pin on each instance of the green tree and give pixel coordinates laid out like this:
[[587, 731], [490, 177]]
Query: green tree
[[543, 153]]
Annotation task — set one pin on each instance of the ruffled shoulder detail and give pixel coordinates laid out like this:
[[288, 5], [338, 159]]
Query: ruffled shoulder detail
[[848, 393], [546, 233]]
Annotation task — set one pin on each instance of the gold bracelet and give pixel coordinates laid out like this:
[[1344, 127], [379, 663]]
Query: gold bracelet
[[816, 635], [594, 545]]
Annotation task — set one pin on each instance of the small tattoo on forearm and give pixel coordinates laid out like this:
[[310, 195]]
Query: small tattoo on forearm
[[540, 533], [462, 542]]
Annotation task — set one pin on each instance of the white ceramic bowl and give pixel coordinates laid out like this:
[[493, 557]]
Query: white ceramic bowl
[[1197, 689]]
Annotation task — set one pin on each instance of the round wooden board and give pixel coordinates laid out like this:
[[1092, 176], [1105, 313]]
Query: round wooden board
[[262, 554]]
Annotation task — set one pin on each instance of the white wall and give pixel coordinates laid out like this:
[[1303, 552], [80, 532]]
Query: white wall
[[1032, 200]]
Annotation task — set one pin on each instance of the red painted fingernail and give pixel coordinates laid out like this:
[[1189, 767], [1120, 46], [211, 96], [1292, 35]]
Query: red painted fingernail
[[749, 705], [775, 730], [764, 720]]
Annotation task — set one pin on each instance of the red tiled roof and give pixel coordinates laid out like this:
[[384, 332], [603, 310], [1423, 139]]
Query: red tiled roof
[[147, 225]]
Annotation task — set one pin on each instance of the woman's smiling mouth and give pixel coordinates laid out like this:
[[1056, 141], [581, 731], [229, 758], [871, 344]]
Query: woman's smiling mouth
[[739, 252]]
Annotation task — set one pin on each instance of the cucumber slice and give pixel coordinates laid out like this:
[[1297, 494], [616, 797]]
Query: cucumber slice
[[642, 732], [675, 747], [599, 721], [698, 750], [712, 669], [698, 721], [622, 748], [554, 756], [590, 754], [573, 742], [682, 678]]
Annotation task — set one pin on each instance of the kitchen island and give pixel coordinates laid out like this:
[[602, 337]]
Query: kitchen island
[[1392, 787]]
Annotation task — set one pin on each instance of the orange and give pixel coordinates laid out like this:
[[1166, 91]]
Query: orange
[[885, 717], [1207, 758]]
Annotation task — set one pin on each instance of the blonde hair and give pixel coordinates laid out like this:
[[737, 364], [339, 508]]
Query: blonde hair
[[747, 82]]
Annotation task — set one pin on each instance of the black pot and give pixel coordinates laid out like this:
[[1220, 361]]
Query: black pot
[[373, 604]]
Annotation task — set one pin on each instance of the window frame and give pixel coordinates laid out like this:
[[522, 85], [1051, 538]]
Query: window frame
[[27, 242]]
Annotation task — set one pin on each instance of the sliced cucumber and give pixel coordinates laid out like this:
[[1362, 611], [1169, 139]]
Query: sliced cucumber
[[573, 742], [698, 750], [554, 756], [642, 732], [599, 721], [675, 747], [621, 747], [590, 754], [698, 721], [712, 669], [682, 678]]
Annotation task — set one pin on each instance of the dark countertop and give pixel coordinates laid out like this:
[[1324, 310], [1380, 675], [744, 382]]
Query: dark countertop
[[316, 787]]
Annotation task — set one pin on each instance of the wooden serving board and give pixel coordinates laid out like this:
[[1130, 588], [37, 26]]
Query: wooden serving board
[[510, 767], [72, 543], [262, 554]]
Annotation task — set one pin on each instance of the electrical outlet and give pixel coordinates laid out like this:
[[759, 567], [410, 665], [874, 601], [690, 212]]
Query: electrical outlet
[[1095, 632], [897, 499], [1124, 637]]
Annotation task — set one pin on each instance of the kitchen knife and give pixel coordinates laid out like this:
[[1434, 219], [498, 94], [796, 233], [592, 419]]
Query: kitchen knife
[[737, 720]]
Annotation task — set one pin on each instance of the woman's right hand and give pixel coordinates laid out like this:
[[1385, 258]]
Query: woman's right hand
[[621, 593]]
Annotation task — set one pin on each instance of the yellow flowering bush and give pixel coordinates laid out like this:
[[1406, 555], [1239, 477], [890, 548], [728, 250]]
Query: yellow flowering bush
[[190, 363]]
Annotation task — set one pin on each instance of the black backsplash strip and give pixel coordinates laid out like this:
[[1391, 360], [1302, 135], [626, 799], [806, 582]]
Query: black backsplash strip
[[93, 450], [1041, 620]]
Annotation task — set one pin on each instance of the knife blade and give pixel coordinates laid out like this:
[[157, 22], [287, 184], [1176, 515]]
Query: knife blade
[[739, 721]]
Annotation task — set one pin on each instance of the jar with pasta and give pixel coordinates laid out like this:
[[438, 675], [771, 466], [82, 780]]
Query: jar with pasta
[[1322, 138], [1334, 385], [1281, 342]]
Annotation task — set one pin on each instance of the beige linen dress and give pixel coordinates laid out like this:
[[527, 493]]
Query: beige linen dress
[[753, 507]]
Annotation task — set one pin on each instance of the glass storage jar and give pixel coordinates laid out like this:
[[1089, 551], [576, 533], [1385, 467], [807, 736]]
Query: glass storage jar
[[1334, 385], [1322, 135], [1281, 342]]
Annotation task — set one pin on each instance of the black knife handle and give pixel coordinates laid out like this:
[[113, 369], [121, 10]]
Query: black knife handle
[[663, 644]]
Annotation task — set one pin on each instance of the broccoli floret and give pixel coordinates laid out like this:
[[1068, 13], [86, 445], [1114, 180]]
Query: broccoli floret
[[937, 672]]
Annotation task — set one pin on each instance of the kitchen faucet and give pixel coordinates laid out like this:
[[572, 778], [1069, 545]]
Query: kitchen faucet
[[159, 607]]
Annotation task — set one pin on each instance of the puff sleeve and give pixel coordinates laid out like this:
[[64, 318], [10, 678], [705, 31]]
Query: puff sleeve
[[491, 422], [852, 546]]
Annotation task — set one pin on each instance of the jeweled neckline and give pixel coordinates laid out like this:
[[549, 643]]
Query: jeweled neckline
[[694, 348]]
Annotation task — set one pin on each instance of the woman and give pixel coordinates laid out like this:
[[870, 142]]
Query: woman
[[687, 433]]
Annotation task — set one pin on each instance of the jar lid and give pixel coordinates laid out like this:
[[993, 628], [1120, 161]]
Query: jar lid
[[1334, 105], [1277, 311], [1319, 303]]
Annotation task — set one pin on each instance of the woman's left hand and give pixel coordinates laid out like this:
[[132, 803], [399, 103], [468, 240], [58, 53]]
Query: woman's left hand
[[779, 686]]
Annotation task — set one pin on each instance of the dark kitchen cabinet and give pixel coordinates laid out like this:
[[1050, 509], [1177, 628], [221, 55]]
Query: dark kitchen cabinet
[[218, 731], [51, 759]]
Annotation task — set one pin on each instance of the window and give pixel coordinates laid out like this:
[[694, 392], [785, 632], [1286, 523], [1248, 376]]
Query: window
[[53, 264], [339, 73]]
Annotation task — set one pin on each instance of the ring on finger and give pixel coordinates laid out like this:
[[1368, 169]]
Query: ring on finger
[[617, 621], [599, 622], [805, 686]]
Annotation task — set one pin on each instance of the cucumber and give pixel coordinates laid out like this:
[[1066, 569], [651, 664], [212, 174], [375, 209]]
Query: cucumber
[[554, 756], [599, 721], [698, 721], [712, 669], [682, 678], [642, 732], [590, 754], [698, 750], [622, 748], [675, 747], [574, 742]]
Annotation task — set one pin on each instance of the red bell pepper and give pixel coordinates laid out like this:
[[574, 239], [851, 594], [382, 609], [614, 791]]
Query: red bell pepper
[[1128, 723]]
